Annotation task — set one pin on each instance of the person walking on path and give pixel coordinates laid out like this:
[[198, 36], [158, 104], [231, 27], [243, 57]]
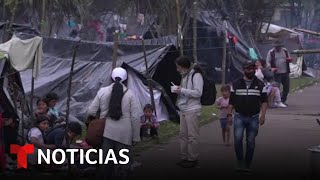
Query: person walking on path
[[189, 95], [222, 103], [248, 99], [278, 58], [120, 108]]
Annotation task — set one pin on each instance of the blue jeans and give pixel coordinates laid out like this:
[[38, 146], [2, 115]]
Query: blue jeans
[[250, 125]]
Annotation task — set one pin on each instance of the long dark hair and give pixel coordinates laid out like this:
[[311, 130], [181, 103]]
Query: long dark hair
[[115, 110]]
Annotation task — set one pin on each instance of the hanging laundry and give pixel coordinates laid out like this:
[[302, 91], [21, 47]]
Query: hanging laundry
[[252, 54]]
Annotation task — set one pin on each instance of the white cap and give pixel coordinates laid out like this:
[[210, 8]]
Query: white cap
[[119, 72]]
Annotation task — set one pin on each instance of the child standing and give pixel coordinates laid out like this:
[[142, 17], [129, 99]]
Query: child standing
[[149, 123], [222, 104]]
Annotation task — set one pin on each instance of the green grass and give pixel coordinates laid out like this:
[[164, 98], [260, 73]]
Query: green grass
[[169, 129], [301, 82]]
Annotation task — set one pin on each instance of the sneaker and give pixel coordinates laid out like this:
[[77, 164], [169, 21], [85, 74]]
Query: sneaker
[[279, 105], [282, 105]]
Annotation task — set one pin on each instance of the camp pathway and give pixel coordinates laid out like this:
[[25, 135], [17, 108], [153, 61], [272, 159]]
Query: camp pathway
[[281, 146]]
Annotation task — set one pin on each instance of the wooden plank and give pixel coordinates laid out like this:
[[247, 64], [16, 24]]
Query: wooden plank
[[307, 31], [312, 51]]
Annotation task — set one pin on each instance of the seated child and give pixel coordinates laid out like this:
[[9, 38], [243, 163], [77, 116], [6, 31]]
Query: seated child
[[149, 123], [51, 99], [36, 136], [42, 108]]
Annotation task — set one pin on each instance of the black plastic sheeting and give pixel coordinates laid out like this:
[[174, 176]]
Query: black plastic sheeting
[[93, 67], [210, 46], [215, 22], [5, 104], [92, 71], [17, 28]]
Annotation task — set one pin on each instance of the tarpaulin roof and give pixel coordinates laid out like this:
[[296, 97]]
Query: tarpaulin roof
[[92, 71], [279, 30], [215, 21]]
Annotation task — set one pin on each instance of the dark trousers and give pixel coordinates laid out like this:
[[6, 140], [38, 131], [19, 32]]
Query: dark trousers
[[111, 170], [285, 81], [143, 132]]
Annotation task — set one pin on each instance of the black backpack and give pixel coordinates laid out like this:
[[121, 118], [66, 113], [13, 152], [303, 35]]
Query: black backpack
[[209, 91]]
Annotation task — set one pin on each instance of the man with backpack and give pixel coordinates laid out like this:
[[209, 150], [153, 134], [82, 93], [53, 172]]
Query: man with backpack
[[278, 59], [189, 103]]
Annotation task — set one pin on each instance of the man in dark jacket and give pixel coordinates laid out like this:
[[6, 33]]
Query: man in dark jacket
[[248, 99]]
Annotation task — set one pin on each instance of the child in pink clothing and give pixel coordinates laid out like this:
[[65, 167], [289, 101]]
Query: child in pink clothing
[[149, 123], [222, 103]]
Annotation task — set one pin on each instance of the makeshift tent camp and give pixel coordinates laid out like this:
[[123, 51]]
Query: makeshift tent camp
[[92, 71], [210, 45], [292, 40]]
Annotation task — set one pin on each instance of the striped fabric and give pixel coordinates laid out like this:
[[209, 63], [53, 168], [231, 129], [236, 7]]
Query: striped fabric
[[248, 92]]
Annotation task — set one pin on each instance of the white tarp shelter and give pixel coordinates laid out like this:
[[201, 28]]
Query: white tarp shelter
[[292, 40]]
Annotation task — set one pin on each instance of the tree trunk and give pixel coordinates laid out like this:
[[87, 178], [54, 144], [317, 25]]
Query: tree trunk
[[115, 50], [180, 44], [292, 13], [195, 13], [3, 12], [224, 53], [43, 15]]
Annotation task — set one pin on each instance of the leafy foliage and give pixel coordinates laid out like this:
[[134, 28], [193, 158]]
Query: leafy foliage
[[251, 12]]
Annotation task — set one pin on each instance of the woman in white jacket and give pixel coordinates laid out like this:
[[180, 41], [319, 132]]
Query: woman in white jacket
[[120, 108]]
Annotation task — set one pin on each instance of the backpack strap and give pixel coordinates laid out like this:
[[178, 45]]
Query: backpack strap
[[287, 53], [273, 59], [195, 72], [287, 56], [192, 77], [126, 91]]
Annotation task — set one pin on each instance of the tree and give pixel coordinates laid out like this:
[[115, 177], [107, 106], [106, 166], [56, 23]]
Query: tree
[[258, 12]]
